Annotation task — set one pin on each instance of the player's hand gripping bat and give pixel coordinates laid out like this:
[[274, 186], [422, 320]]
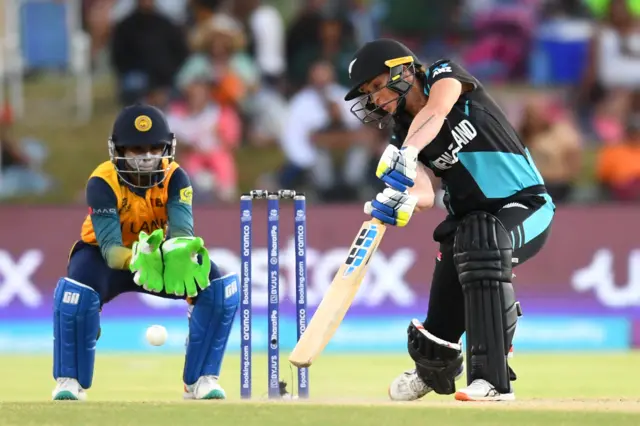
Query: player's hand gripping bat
[[339, 296]]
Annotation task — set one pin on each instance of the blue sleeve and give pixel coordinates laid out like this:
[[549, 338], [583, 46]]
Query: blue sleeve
[[105, 219], [179, 211]]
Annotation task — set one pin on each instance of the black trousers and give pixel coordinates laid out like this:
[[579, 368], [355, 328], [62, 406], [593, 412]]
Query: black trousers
[[529, 224]]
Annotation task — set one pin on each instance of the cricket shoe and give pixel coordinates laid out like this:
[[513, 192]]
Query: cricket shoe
[[481, 390], [409, 386], [68, 390], [206, 387]]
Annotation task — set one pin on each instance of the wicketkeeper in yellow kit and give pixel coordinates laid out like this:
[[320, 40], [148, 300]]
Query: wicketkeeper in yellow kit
[[139, 237]]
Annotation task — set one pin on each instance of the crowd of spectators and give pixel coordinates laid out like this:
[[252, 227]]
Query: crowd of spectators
[[236, 73]]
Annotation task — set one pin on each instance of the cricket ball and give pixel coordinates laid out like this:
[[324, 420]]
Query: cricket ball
[[156, 335]]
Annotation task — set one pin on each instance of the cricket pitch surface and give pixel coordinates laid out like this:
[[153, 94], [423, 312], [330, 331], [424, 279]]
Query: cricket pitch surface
[[345, 390]]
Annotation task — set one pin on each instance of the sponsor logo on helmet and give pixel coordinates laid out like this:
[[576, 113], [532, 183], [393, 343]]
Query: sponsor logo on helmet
[[143, 123]]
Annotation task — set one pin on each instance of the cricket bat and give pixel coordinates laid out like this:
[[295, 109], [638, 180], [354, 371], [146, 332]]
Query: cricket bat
[[339, 296]]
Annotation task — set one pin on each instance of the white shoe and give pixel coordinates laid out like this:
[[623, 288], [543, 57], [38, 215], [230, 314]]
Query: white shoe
[[409, 386], [68, 390], [481, 390], [206, 387]]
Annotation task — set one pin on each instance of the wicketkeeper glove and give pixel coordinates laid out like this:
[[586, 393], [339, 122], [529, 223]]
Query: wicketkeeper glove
[[182, 270], [146, 261]]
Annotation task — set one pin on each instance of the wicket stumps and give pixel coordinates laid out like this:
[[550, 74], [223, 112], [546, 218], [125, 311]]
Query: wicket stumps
[[276, 390]]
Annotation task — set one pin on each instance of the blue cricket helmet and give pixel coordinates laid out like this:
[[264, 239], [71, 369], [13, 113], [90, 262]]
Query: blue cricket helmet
[[136, 128]]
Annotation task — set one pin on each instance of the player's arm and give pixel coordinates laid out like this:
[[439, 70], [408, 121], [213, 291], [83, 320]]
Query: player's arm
[[445, 83], [179, 210], [103, 210], [423, 189]]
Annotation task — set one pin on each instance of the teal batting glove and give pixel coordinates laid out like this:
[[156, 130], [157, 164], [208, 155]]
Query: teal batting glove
[[182, 272], [146, 261]]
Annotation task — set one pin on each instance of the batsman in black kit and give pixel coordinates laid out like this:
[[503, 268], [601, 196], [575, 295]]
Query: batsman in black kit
[[449, 131]]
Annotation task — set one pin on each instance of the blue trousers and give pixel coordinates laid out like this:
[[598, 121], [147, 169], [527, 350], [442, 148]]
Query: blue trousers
[[87, 266], [76, 331]]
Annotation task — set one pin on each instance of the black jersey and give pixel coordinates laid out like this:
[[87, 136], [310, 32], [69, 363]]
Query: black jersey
[[477, 154]]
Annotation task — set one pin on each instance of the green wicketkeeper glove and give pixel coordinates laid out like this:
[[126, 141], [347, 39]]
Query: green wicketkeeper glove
[[146, 261], [181, 268]]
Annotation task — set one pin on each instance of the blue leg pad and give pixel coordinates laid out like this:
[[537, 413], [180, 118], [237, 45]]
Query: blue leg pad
[[76, 321], [209, 328]]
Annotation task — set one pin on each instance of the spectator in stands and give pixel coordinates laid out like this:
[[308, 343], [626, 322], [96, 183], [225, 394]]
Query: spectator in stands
[[417, 21], [266, 32], [335, 46], [613, 74], [158, 96], [499, 45], [320, 125], [618, 166], [365, 17], [304, 29], [147, 51], [203, 10], [228, 44], [20, 163], [100, 16], [97, 22], [176, 10], [208, 134], [555, 145], [221, 41]]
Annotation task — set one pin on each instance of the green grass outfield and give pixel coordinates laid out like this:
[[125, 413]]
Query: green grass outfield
[[566, 389]]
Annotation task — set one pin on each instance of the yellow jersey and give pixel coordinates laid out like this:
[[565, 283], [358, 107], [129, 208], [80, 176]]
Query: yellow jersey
[[137, 213]]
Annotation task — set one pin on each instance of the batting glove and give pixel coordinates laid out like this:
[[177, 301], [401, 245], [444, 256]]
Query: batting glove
[[392, 207], [398, 167]]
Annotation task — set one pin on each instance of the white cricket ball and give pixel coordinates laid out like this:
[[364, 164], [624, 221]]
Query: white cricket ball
[[156, 335]]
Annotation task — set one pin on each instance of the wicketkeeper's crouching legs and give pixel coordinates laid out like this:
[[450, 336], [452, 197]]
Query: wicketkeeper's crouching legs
[[76, 323], [210, 323], [76, 326]]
